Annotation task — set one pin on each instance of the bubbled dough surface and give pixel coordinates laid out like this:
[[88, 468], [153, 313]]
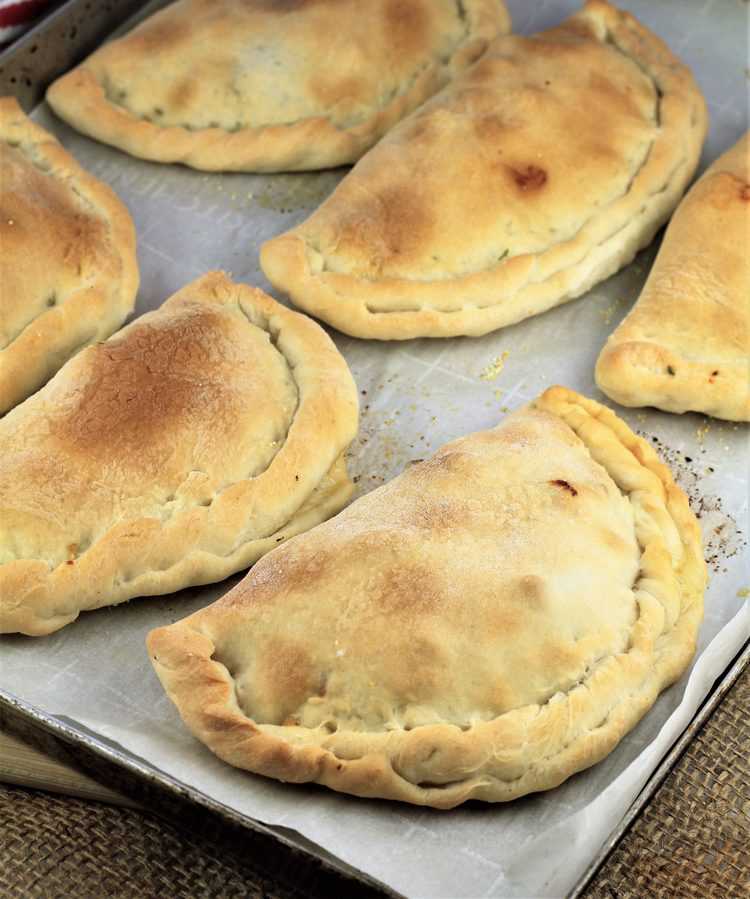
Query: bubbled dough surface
[[685, 345], [220, 63], [50, 238], [437, 598], [487, 154], [699, 297], [145, 419]]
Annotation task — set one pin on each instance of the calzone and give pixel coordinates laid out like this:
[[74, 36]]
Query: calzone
[[493, 620], [536, 174], [175, 453], [685, 345], [268, 85], [68, 270]]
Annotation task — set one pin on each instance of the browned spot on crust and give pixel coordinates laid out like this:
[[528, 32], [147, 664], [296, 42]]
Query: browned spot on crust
[[530, 590], [136, 387], [407, 26], [499, 697], [423, 671], [438, 515], [181, 94], [558, 656], [285, 571], [158, 36], [287, 673], [745, 193], [418, 128], [559, 482], [30, 198], [394, 222], [529, 178], [332, 88], [451, 460], [712, 377], [618, 98], [504, 618], [407, 589], [490, 128], [407, 222]]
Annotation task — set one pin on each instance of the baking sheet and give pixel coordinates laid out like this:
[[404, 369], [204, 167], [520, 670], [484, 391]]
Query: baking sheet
[[416, 396]]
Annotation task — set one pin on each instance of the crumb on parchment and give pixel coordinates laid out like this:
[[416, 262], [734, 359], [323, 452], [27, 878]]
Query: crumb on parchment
[[615, 304], [491, 371]]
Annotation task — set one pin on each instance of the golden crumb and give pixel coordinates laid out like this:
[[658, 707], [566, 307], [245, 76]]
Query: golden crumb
[[491, 371], [743, 592]]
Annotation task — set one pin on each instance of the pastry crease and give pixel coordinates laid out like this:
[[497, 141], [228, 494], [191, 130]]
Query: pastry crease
[[530, 178], [177, 453], [68, 270], [223, 85], [354, 658], [685, 345]]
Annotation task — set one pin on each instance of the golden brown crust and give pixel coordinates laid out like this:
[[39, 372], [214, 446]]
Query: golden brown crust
[[68, 270], [175, 453], [568, 150], [685, 345], [223, 85], [490, 622]]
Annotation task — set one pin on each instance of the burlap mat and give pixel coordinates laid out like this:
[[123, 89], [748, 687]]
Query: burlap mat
[[693, 840]]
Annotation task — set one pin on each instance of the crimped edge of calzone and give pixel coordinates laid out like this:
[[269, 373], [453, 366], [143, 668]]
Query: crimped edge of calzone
[[311, 143], [655, 371], [97, 307], [476, 303], [547, 743], [152, 555]]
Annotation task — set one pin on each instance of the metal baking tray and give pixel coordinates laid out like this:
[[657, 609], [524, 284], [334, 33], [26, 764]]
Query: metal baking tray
[[252, 207]]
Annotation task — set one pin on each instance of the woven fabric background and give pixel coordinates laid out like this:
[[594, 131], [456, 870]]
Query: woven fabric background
[[693, 840]]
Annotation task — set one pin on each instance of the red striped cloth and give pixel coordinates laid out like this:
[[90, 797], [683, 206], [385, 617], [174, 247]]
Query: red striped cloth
[[18, 15]]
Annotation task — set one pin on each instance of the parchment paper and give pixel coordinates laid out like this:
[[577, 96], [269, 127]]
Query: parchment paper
[[415, 396]]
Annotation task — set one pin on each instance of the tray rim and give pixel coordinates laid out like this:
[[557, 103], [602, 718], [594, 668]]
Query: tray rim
[[721, 686], [13, 708], [36, 724]]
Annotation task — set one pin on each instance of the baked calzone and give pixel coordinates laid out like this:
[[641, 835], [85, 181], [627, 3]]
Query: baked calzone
[[485, 625], [68, 270], [262, 86], [685, 345], [175, 453], [536, 174]]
